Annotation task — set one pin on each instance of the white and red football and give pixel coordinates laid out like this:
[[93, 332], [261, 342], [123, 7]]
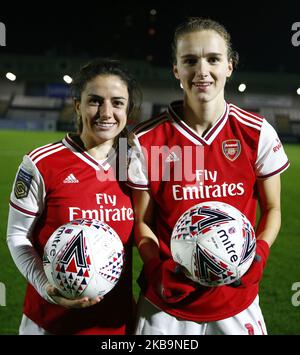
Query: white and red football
[[215, 243], [84, 258]]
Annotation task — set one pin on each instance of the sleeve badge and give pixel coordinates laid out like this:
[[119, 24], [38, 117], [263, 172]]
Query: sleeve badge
[[22, 184]]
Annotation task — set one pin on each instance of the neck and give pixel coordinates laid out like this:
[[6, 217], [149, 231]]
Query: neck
[[98, 151], [202, 115]]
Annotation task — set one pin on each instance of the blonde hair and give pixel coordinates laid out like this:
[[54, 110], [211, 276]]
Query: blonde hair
[[193, 24]]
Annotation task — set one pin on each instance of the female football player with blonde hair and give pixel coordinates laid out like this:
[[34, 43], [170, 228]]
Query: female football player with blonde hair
[[241, 162]]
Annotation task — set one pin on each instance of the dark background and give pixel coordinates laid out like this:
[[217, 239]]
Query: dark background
[[261, 31]]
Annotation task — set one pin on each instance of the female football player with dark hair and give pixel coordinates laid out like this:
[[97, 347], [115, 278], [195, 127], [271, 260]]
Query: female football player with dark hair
[[64, 181]]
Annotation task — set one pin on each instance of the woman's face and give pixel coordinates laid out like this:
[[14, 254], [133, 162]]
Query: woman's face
[[103, 108], [202, 65]]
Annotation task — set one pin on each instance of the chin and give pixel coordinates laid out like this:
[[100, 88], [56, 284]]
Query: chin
[[107, 136], [203, 98]]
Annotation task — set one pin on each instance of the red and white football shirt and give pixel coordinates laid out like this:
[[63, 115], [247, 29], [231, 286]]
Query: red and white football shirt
[[183, 169], [60, 182]]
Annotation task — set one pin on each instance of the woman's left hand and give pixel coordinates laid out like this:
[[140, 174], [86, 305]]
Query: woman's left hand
[[59, 299]]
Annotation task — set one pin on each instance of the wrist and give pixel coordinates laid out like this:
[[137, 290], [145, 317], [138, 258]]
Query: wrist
[[47, 296], [262, 249]]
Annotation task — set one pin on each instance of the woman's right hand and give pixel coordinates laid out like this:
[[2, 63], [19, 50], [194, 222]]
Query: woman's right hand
[[168, 279], [59, 299]]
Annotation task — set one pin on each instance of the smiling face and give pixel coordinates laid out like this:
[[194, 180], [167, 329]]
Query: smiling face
[[202, 66], [103, 108]]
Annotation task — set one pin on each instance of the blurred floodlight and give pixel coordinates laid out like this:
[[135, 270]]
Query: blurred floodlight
[[298, 91], [242, 87], [10, 76], [153, 12], [67, 79]]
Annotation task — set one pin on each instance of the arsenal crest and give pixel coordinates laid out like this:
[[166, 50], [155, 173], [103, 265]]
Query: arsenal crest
[[231, 149]]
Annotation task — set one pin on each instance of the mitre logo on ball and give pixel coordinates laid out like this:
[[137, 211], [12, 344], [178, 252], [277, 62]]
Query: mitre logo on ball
[[83, 258], [215, 243]]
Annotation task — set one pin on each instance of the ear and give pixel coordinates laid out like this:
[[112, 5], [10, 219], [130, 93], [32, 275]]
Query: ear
[[229, 69], [175, 71], [77, 106]]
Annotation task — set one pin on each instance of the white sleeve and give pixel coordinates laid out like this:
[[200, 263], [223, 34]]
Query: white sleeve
[[28, 191], [137, 171], [271, 158], [23, 213]]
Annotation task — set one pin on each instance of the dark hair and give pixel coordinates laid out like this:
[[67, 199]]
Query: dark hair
[[193, 24], [105, 66]]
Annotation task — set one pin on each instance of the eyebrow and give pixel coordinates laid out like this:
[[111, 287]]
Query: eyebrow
[[100, 97], [208, 54]]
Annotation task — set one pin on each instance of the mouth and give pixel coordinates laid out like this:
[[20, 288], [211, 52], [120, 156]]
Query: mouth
[[104, 124], [202, 84]]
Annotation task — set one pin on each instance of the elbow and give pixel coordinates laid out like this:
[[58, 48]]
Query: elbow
[[9, 239]]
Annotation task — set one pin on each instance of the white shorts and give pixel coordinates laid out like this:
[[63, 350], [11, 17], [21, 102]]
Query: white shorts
[[28, 327], [153, 321]]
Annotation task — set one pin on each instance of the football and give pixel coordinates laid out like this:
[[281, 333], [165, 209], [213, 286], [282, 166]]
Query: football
[[214, 242], [83, 258]]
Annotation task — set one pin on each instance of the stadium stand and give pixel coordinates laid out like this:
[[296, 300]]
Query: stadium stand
[[67, 118], [40, 100], [34, 113]]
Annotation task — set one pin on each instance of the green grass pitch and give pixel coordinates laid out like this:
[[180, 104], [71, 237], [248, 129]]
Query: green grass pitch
[[281, 272]]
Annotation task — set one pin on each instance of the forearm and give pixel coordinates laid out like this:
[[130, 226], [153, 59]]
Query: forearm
[[146, 241], [270, 219], [269, 225], [23, 253]]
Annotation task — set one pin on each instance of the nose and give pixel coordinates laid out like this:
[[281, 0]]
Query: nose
[[202, 69], [105, 110]]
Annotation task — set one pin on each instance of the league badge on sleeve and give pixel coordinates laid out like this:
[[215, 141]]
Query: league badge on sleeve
[[22, 184]]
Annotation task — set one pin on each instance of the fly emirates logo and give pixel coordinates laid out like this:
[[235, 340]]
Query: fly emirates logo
[[206, 187], [106, 210]]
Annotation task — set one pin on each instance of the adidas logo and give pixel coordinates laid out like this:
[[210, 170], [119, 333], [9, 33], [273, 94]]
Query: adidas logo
[[172, 157], [71, 179]]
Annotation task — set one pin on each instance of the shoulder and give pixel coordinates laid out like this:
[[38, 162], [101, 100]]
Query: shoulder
[[46, 151], [152, 125], [247, 119]]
